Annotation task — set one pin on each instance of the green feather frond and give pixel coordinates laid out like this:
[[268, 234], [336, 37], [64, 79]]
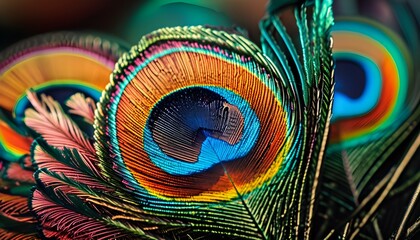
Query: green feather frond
[[355, 195], [308, 69]]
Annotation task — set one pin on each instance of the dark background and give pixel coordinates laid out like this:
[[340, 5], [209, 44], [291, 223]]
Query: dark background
[[131, 19]]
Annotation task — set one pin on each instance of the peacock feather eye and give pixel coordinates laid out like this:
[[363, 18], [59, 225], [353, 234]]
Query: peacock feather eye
[[80, 63], [188, 111], [373, 79], [57, 65]]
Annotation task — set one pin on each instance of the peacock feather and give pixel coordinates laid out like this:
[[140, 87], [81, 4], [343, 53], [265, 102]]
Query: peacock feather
[[199, 134], [370, 167], [47, 65], [60, 65]]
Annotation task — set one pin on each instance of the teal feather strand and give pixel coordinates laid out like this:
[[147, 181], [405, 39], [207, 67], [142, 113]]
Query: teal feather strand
[[272, 50], [316, 89]]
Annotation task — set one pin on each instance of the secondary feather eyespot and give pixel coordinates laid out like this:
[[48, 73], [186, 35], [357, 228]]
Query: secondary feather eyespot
[[60, 65], [57, 65], [372, 73]]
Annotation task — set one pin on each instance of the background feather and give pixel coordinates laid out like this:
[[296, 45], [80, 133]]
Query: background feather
[[45, 63], [370, 173]]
